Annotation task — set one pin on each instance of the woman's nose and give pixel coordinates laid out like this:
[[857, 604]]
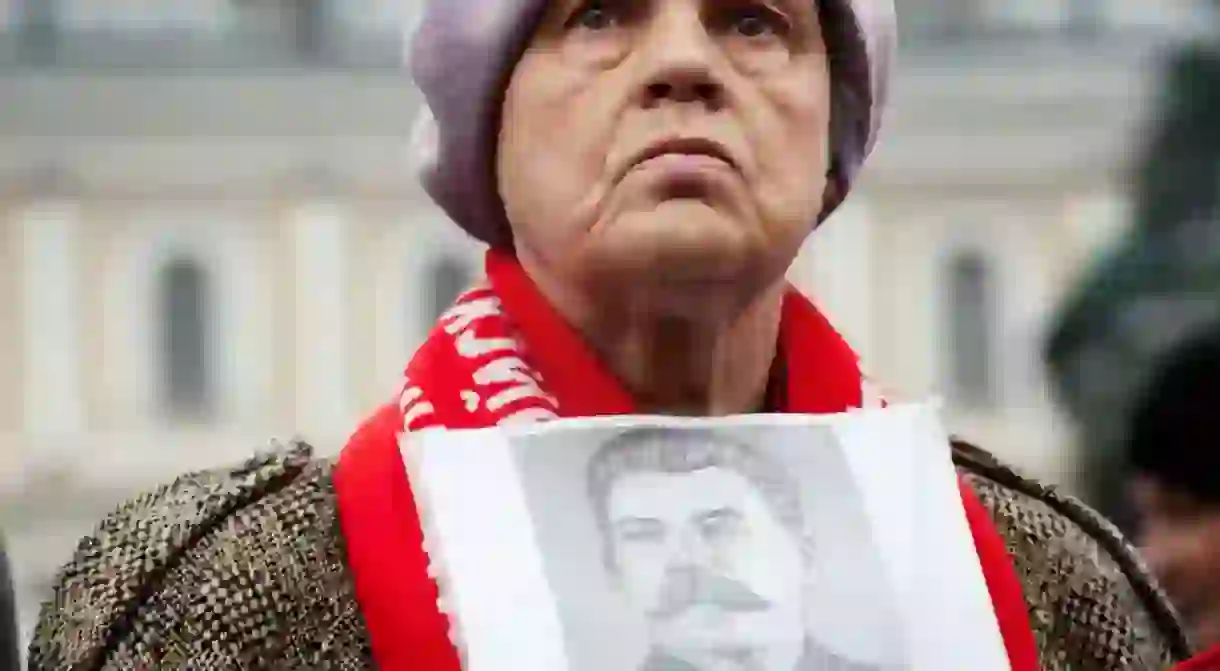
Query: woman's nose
[[684, 91], [680, 60]]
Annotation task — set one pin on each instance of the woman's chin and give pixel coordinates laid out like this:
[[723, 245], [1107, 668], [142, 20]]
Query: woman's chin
[[680, 242]]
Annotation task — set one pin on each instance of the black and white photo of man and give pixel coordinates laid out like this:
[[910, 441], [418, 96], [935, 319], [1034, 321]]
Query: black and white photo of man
[[706, 538]]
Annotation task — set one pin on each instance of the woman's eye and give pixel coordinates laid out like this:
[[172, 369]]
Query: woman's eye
[[593, 16], [757, 22]]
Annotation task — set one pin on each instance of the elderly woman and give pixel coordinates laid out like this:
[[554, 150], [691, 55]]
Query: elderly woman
[[643, 173]]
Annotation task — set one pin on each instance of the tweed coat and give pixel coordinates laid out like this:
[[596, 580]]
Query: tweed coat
[[8, 615]]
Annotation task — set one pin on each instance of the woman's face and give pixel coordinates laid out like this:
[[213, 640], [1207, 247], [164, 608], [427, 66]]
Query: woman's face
[[678, 145], [1180, 539]]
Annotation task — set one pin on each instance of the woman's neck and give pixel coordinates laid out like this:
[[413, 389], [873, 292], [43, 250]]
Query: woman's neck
[[714, 362], [685, 367]]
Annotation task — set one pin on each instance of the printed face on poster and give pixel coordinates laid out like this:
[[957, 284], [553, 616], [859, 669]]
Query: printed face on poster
[[673, 544]]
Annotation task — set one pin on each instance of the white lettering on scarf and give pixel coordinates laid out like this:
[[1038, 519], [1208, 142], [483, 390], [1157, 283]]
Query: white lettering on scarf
[[413, 406], [508, 368], [471, 346], [513, 371], [468, 310]]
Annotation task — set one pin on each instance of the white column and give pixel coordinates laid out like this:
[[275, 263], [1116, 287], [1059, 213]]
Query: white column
[[245, 323], [395, 325], [321, 277], [51, 303]]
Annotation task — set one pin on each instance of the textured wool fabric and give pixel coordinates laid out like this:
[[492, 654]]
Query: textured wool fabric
[[246, 569], [463, 52], [1096, 618], [8, 615]]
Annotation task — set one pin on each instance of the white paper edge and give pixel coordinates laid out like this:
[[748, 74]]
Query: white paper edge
[[743, 420], [930, 556], [484, 601]]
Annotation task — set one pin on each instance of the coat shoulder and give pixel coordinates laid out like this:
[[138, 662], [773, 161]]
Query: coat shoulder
[[8, 608], [1092, 602], [241, 567]]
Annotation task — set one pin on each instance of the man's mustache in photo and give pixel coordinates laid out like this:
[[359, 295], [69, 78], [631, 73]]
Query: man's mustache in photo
[[689, 586]]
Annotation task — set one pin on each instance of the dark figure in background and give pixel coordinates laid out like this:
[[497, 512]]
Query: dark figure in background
[[1136, 355], [1158, 285], [1174, 182], [9, 636], [1174, 452]]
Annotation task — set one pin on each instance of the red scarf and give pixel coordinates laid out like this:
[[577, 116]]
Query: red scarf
[[1207, 661], [503, 354]]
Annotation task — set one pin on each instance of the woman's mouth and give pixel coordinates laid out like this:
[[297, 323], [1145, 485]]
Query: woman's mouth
[[677, 166], [680, 156]]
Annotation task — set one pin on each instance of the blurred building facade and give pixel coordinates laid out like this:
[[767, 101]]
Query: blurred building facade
[[209, 234], [1002, 173]]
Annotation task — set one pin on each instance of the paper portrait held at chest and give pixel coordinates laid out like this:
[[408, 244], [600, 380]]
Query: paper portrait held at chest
[[768, 542]]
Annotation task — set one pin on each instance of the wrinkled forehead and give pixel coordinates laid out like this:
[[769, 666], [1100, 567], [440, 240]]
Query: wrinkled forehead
[[793, 7], [476, 22]]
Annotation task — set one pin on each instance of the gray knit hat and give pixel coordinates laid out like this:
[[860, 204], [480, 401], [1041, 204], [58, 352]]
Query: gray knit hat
[[463, 52]]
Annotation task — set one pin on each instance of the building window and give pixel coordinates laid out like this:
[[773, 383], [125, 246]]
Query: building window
[[35, 22], [1084, 16], [301, 25], [10, 15], [310, 30], [185, 323], [372, 15], [448, 277], [1031, 15], [139, 16], [970, 313], [1090, 17]]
